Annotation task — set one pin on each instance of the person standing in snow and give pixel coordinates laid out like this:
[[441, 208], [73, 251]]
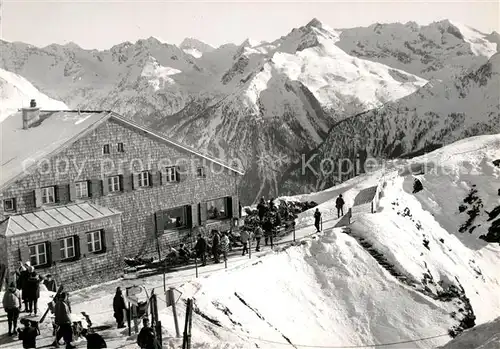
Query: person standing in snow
[[244, 237], [33, 290], [339, 203], [262, 208], [62, 314], [11, 303], [258, 232], [119, 308], [22, 277], [225, 245], [50, 283], [317, 219], [201, 249], [216, 246]]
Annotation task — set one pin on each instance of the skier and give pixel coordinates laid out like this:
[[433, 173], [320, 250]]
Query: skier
[[317, 219], [244, 237], [119, 307], [216, 246], [339, 203], [12, 305], [201, 249]]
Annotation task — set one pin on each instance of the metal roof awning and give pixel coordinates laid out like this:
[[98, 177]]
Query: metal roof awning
[[55, 217]]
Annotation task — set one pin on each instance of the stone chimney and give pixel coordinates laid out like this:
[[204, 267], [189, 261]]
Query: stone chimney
[[30, 115]]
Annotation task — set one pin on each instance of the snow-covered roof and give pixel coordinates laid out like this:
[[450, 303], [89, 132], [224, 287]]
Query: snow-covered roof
[[54, 218], [24, 148]]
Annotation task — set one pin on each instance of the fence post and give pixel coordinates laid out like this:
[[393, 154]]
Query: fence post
[[372, 206], [293, 230], [174, 310], [196, 265], [186, 341], [321, 223], [250, 247]]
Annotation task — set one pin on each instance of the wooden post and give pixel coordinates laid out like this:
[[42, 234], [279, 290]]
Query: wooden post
[[321, 223], [129, 319], [136, 321], [190, 325], [250, 247], [196, 265], [294, 231], [174, 310], [186, 341]]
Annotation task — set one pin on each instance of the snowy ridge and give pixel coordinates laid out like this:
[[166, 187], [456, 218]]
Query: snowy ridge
[[16, 92], [440, 50]]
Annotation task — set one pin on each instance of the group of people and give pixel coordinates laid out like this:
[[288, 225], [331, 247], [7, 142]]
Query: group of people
[[219, 246]]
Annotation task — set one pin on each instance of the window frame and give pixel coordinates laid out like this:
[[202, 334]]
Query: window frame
[[106, 149], [63, 248], [120, 147], [226, 209], [13, 203], [143, 179], [91, 244], [44, 191], [111, 184], [184, 223], [200, 172], [171, 172], [37, 254], [78, 190]]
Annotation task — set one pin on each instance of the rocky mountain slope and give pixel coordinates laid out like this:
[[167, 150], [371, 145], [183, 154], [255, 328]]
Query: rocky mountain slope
[[16, 92], [441, 50], [259, 103], [437, 114]]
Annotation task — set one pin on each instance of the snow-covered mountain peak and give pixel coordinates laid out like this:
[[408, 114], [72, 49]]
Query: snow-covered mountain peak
[[16, 92], [195, 47], [315, 23]]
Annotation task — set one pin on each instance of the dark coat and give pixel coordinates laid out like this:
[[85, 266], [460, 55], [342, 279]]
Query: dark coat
[[317, 217], [118, 305], [339, 202], [32, 289], [95, 341], [215, 243], [147, 339], [22, 277], [62, 312], [51, 285], [262, 208], [201, 246], [28, 336]]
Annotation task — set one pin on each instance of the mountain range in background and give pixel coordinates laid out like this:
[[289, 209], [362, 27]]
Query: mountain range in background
[[392, 88]]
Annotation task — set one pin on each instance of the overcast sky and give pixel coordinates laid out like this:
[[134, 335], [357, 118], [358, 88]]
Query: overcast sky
[[102, 24]]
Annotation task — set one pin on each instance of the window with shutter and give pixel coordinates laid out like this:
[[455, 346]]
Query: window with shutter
[[94, 241], [217, 209], [81, 189], [189, 217]]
